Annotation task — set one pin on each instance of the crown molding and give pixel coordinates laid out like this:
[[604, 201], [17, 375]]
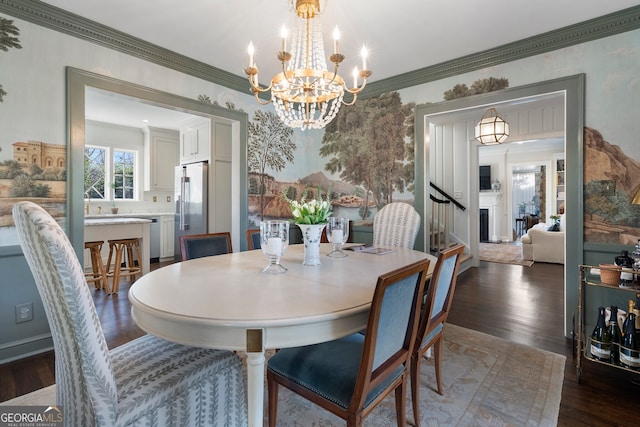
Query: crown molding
[[604, 26], [57, 19]]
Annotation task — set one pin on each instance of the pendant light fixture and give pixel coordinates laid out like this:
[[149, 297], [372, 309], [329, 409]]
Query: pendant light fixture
[[306, 94], [492, 129]]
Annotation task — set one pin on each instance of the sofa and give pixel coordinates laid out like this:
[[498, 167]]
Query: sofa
[[541, 245]]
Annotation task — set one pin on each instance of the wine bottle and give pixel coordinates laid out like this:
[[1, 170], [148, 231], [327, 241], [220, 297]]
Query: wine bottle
[[632, 304], [601, 339], [625, 261], [616, 336], [630, 349]]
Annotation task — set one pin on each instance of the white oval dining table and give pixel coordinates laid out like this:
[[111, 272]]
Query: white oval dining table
[[226, 302]]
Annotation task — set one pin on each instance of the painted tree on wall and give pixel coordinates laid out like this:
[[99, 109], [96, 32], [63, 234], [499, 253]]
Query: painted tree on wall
[[409, 168], [479, 86], [269, 146], [8, 39], [365, 143]]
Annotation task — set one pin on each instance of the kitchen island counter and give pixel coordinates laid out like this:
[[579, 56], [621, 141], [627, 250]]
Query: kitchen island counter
[[130, 215], [115, 220], [106, 228]]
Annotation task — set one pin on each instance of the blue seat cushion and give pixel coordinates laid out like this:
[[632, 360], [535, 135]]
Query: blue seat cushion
[[329, 369], [432, 334]]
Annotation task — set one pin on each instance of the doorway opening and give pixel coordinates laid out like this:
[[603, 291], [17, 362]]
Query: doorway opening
[[431, 165], [77, 83]]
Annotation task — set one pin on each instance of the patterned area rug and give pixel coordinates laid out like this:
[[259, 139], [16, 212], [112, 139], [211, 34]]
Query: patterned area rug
[[503, 253], [487, 381]]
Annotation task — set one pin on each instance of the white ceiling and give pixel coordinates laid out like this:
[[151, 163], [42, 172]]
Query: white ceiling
[[401, 35], [109, 107]]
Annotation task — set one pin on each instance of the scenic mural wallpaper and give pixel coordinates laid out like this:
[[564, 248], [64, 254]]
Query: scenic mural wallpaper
[[364, 158]]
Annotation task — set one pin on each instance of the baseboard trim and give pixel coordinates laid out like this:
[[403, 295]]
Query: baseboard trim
[[19, 349]]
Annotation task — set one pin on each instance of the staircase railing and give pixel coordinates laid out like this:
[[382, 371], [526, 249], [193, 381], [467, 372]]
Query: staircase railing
[[440, 212]]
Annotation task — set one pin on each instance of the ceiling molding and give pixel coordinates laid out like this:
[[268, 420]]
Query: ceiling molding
[[604, 26], [57, 19]]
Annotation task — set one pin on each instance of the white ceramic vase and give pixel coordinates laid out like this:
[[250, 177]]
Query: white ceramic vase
[[311, 234]]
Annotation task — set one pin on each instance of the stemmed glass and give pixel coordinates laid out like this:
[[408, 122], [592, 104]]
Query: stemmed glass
[[337, 234], [274, 241]]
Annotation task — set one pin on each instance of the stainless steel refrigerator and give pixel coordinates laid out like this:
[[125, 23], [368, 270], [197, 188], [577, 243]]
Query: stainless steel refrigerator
[[191, 201]]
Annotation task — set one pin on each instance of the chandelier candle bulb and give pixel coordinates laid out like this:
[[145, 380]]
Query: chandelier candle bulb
[[283, 34], [336, 37], [364, 54], [251, 51]]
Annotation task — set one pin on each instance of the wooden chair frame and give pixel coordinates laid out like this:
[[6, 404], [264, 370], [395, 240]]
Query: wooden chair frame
[[368, 377], [185, 239], [429, 321], [250, 233]]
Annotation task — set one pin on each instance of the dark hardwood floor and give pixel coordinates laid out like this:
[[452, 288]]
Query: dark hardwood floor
[[522, 304]]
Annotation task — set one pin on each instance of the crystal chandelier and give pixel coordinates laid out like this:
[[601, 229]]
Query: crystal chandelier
[[492, 129], [305, 94]]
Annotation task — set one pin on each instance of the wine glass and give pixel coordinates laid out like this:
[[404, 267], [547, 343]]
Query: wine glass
[[337, 234], [274, 241]]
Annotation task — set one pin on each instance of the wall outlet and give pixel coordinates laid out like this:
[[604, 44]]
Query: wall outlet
[[24, 312], [169, 199], [155, 199]]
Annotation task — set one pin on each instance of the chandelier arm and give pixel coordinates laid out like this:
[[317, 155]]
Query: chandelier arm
[[335, 73], [259, 89], [260, 101], [284, 73], [355, 90], [353, 101]]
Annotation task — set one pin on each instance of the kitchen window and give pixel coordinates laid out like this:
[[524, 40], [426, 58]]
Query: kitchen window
[[109, 173]]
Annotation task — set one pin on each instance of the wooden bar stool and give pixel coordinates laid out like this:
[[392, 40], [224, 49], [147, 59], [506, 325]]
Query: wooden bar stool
[[98, 274], [124, 251]]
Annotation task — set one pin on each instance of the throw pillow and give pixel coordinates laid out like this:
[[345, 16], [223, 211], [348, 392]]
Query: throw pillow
[[554, 227]]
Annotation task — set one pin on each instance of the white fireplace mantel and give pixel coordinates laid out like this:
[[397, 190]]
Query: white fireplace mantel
[[493, 202]]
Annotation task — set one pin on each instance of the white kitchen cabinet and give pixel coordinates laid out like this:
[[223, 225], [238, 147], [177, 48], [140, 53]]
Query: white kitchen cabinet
[[166, 236], [160, 158], [195, 141]]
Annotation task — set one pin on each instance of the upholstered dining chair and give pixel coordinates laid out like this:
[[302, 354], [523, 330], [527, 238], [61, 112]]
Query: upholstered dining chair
[[351, 375], [435, 310], [147, 381], [208, 244], [253, 239], [396, 226]]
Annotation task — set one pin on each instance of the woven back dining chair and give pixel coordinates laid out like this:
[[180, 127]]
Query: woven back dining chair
[[351, 375], [435, 310], [396, 226], [147, 381], [200, 245]]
